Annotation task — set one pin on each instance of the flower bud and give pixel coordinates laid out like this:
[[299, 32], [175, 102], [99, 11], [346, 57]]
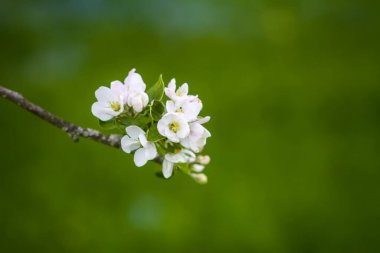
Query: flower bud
[[138, 100], [198, 167], [199, 178], [203, 159]]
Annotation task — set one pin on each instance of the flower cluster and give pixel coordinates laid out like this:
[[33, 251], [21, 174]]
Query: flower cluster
[[162, 123]]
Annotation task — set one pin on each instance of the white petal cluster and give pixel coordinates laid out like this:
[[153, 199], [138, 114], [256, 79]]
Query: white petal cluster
[[110, 101], [184, 156], [182, 124], [174, 127], [120, 96], [196, 139], [137, 98], [135, 140], [168, 128]]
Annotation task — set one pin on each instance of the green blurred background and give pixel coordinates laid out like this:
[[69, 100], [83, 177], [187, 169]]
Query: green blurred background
[[293, 91]]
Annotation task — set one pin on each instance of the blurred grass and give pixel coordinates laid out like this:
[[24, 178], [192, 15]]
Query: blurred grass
[[293, 91]]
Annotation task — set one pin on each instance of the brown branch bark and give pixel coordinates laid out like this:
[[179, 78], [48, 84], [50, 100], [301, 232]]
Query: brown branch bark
[[71, 129]]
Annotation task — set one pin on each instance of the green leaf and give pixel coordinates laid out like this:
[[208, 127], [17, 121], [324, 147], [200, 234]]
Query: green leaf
[[153, 134], [160, 149], [156, 92], [157, 109], [126, 121], [109, 125], [141, 121]]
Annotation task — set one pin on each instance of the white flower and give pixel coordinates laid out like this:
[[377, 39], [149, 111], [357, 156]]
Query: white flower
[[110, 101], [183, 156], [137, 98], [173, 126], [180, 94], [196, 140], [189, 107], [199, 178], [136, 140]]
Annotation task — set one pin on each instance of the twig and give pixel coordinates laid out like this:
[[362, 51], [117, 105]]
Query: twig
[[72, 130]]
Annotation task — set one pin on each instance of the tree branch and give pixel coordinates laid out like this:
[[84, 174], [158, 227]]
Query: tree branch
[[72, 130]]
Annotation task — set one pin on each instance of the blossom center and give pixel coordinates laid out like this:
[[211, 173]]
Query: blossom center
[[115, 106], [174, 126], [179, 110]]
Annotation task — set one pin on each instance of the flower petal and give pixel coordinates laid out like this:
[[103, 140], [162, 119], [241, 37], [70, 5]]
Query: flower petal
[[196, 130], [134, 132], [128, 145], [103, 94], [117, 85], [143, 140], [188, 153], [171, 84], [134, 81], [192, 109], [183, 90], [167, 168], [186, 142], [171, 135], [170, 106], [170, 90], [206, 133], [176, 158], [99, 111], [162, 125], [204, 120], [138, 100], [151, 151], [127, 80], [183, 131], [198, 167], [140, 157]]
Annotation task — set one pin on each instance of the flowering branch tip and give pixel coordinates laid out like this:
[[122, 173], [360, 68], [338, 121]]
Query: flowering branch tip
[[165, 129]]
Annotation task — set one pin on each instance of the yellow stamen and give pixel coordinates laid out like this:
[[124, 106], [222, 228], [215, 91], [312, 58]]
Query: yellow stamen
[[115, 106], [174, 127]]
